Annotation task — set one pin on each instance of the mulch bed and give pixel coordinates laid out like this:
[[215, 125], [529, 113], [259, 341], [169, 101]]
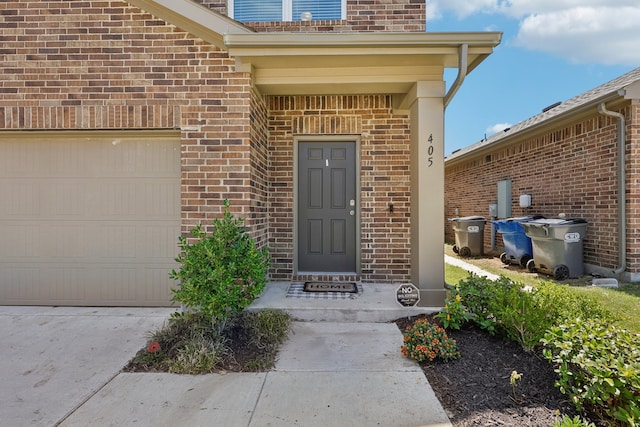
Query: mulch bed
[[475, 390]]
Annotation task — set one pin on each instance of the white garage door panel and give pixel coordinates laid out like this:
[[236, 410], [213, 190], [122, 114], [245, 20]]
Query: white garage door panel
[[89, 220]]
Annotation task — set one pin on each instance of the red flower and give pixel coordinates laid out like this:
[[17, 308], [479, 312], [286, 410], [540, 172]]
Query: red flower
[[153, 347]]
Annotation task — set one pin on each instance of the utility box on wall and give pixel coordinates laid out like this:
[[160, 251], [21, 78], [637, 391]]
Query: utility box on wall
[[504, 198]]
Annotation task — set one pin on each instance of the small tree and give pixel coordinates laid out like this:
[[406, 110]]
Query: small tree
[[222, 273]]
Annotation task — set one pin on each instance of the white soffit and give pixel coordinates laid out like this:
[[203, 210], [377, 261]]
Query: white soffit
[[322, 63]]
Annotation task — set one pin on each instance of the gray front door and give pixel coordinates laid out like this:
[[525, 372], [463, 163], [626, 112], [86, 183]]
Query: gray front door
[[327, 207]]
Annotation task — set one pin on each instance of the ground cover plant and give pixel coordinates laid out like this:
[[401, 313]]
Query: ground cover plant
[[195, 343]]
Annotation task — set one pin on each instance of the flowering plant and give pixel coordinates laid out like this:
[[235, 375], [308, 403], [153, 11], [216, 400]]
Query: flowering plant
[[153, 347], [425, 342], [454, 314]]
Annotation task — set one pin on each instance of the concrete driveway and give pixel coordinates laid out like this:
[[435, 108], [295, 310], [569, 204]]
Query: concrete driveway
[[52, 359]]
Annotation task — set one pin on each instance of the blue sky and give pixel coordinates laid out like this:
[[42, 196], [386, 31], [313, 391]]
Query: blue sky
[[551, 50]]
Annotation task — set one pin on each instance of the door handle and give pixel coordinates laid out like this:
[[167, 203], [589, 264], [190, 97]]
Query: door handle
[[352, 212]]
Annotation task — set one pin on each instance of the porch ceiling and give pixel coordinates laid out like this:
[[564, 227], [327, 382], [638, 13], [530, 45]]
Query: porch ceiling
[[352, 63]]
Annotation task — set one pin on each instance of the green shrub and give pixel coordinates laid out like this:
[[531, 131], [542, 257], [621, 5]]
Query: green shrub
[[520, 315], [598, 367], [567, 304], [523, 313], [424, 341], [454, 314], [222, 273], [477, 293], [576, 421]]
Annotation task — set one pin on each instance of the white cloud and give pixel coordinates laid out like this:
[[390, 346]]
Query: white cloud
[[498, 127], [583, 31], [515, 8], [604, 35]]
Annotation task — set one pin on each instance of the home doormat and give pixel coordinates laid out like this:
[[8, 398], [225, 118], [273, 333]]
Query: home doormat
[[348, 287], [296, 290]]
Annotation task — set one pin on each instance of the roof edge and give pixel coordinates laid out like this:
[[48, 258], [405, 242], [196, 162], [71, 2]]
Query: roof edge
[[618, 90], [356, 39], [470, 152]]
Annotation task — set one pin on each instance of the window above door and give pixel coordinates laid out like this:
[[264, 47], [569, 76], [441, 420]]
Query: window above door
[[286, 10]]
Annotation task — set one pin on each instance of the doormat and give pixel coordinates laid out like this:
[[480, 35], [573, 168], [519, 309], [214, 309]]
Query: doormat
[[349, 287], [297, 290]]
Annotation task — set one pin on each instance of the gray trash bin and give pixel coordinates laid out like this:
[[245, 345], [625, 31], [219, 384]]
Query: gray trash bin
[[469, 232], [557, 246]]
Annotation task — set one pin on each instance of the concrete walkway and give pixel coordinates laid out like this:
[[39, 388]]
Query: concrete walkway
[[54, 358], [469, 267], [328, 374], [341, 366]]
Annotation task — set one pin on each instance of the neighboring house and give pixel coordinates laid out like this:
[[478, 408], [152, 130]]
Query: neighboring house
[[568, 159], [124, 124]]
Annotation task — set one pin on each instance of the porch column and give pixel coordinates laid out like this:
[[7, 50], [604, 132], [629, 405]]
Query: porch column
[[427, 191]]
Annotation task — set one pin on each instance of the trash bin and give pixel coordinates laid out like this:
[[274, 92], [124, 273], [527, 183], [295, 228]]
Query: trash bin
[[517, 245], [469, 231], [557, 246]]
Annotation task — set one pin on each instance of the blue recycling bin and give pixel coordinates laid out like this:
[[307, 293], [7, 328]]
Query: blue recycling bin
[[517, 245]]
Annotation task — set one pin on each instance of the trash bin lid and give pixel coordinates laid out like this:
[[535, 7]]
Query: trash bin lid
[[557, 221], [526, 218], [469, 218]]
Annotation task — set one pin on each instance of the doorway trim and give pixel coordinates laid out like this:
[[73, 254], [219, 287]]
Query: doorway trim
[[326, 138]]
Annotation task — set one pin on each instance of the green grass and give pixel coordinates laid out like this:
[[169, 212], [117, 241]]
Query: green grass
[[624, 302], [453, 274]]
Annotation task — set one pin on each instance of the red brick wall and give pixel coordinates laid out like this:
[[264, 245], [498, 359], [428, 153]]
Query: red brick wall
[[259, 167], [571, 169], [106, 65], [385, 236], [633, 187], [362, 15]]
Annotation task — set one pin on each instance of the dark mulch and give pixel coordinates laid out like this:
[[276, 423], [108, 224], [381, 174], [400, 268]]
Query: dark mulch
[[475, 390]]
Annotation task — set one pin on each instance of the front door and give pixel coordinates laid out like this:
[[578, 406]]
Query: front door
[[327, 207]]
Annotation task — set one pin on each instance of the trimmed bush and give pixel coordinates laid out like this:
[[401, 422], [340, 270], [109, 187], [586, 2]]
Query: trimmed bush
[[598, 367], [223, 273], [522, 313]]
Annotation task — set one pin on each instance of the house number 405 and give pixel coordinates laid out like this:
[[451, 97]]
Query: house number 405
[[430, 151]]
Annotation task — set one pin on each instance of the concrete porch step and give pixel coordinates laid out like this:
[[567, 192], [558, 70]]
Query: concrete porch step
[[377, 303]]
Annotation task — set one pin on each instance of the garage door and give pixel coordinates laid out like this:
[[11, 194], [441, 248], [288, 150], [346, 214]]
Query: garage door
[[88, 218]]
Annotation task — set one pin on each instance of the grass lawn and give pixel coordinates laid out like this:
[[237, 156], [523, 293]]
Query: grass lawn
[[624, 302]]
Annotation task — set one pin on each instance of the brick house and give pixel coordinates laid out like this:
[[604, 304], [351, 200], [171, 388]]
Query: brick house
[[567, 158], [123, 124]]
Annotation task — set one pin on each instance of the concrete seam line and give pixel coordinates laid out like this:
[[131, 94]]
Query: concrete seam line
[[85, 400], [255, 406]]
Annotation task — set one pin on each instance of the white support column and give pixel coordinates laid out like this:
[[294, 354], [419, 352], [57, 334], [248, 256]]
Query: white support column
[[427, 191]]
